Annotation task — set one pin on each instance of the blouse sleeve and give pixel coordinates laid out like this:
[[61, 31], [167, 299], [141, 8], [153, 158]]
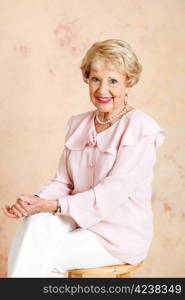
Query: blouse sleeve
[[61, 184], [133, 165]]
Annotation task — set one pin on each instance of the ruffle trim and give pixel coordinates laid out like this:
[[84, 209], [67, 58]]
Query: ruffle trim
[[129, 130], [139, 126]]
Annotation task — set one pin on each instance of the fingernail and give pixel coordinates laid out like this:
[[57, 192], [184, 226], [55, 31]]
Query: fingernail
[[21, 197]]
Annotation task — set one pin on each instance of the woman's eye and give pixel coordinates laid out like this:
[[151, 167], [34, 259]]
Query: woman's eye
[[94, 79], [113, 81]]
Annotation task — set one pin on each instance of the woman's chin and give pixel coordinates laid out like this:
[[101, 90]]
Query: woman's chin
[[103, 107]]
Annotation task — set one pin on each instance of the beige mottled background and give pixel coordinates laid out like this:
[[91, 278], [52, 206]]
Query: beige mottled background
[[42, 43]]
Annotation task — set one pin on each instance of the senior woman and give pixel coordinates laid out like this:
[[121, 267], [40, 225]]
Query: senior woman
[[96, 210]]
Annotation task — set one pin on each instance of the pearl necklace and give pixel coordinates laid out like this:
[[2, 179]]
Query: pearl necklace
[[113, 117]]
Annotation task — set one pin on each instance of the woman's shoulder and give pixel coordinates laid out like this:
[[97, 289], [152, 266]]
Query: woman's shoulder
[[78, 126], [140, 115], [82, 119], [76, 120], [139, 124], [141, 118], [83, 115]]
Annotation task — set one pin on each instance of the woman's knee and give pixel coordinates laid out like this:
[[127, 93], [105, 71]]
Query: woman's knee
[[36, 217], [60, 224]]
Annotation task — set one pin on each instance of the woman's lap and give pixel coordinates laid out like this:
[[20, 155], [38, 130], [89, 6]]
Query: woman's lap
[[54, 243], [81, 248]]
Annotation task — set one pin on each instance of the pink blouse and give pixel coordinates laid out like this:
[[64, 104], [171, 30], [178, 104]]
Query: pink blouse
[[104, 181]]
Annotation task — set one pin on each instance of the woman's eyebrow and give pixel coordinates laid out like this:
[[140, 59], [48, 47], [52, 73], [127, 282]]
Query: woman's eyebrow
[[115, 76], [111, 76]]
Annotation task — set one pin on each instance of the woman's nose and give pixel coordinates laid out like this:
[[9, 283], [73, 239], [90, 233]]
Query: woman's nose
[[102, 88]]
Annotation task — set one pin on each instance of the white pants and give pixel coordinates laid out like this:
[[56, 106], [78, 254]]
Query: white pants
[[45, 245]]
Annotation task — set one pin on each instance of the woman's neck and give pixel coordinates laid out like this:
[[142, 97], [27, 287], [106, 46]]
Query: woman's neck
[[104, 116]]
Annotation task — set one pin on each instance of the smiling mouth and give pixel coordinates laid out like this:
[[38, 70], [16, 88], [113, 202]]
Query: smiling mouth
[[104, 99]]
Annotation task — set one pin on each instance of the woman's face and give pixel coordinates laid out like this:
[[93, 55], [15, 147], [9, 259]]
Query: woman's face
[[107, 88]]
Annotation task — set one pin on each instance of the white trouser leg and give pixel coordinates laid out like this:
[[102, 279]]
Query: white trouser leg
[[45, 244], [35, 243], [81, 248]]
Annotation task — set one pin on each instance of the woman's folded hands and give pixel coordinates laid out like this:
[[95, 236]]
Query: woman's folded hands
[[27, 205]]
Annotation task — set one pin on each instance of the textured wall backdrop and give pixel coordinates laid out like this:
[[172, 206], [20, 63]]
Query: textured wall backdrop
[[42, 44]]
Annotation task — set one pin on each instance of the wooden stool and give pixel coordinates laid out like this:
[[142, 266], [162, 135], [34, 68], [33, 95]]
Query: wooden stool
[[119, 271]]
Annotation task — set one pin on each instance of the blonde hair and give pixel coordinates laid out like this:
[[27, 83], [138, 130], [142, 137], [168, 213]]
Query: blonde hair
[[117, 53]]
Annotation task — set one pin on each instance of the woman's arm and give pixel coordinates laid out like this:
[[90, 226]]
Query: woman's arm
[[61, 184], [133, 165]]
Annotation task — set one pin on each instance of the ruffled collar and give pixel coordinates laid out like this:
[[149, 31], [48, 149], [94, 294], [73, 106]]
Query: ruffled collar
[[126, 131]]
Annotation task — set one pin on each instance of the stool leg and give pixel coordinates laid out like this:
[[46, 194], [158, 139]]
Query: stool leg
[[126, 275], [71, 275]]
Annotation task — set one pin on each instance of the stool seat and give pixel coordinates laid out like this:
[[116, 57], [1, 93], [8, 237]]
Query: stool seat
[[119, 271]]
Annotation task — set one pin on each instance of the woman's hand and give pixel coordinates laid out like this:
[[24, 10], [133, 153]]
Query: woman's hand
[[27, 205], [24, 206], [9, 212]]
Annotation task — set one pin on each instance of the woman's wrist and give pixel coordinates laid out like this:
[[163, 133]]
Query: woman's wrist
[[49, 206]]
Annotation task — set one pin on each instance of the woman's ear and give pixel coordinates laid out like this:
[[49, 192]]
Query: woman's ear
[[127, 83]]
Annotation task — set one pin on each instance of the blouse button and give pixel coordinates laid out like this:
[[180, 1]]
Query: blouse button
[[92, 140]]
